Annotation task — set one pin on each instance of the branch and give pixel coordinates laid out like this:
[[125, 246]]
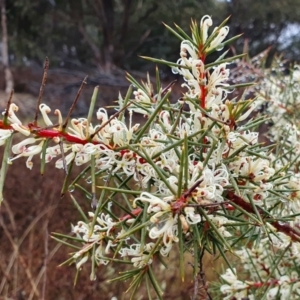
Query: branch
[[293, 233]]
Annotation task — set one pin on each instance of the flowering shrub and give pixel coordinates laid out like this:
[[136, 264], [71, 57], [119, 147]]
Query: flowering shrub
[[194, 177]]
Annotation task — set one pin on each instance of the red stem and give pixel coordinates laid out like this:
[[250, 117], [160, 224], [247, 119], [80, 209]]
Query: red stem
[[293, 233], [52, 133], [202, 77]]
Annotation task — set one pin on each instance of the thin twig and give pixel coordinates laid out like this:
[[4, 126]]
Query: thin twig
[[14, 228], [42, 88], [187, 193], [8, 106], [201, 290], [165, 90], [48, 255], [286, 228], [61, 146], [74, 103], [43, 270], [21, 240], [46, 258], [20, 257], [109, 120], [29, 275], [196, 286]]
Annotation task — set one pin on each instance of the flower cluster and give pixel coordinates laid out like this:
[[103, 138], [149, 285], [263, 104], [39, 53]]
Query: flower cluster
[[272, 268]]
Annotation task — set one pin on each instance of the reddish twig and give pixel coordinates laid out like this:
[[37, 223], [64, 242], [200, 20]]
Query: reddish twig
[[6, 114], [181, 203], [293, 233], [109, 120], [74, 103], [46, 67]]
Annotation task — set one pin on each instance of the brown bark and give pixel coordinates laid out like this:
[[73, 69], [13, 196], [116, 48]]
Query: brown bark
[[107, 18], [104, 10], [125, 20], [9, 82]]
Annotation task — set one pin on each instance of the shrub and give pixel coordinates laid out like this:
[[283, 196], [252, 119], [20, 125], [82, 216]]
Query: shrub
[[192, 178]]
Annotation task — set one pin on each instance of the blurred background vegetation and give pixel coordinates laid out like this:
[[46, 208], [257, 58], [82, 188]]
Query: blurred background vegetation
[[112, 33], [102, 38]]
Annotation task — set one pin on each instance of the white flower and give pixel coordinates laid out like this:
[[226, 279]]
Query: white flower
[[12, 118], [235, 288], [126, 163], [142, 257], [205, 23], [59, 164], [101, 229], [22, 149], [83, 154], [218, 77], [191, 217], [20, 128], [249, 110], [4, 135], [230, 276], [45, 110], [166, 228], [78, 128], [99, 254], [156, 204], [211, 185], [256, 169], [105, 221], [280, 240], [52, 152], [144, 101], [219, 221], [82, 261], [216, 42]]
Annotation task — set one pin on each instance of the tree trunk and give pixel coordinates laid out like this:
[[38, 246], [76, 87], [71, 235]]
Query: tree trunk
[[9, 81], [105, 12]]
